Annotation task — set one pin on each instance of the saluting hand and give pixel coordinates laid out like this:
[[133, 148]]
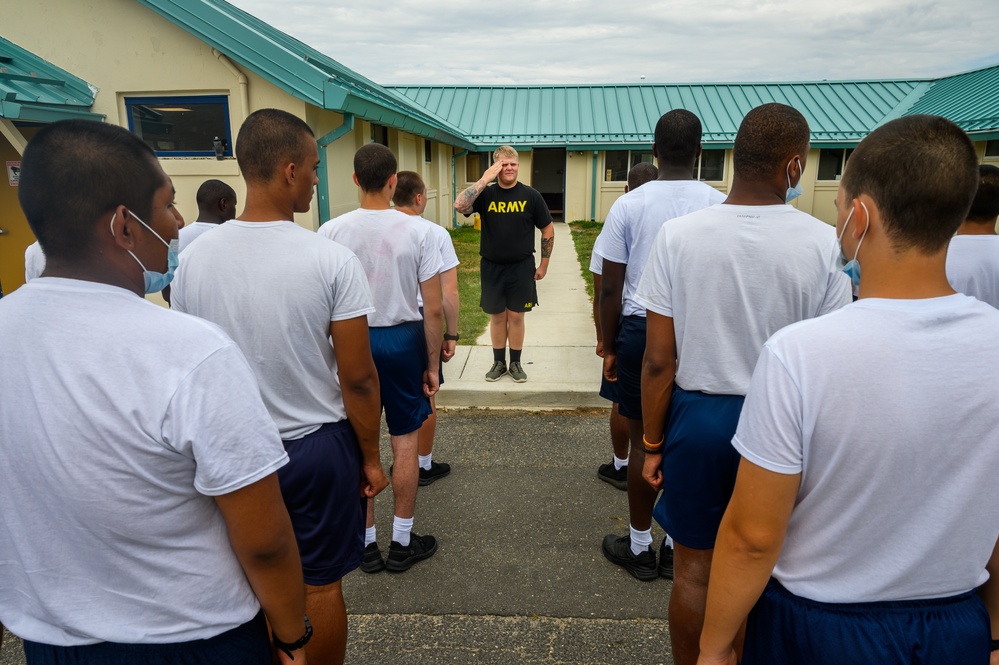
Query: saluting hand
[[493, 171]]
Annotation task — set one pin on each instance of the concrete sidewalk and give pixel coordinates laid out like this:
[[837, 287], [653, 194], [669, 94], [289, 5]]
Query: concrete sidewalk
[[563, 370]]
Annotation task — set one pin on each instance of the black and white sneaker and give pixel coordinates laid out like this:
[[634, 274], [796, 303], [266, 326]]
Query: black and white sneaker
[[402, 558]]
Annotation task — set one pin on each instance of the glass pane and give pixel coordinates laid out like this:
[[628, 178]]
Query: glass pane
[[174, 127], [992, 148], [428, 151], [830, 164], [473, 167], [713, 165], [379, 134], [616, 165], [637, 157]]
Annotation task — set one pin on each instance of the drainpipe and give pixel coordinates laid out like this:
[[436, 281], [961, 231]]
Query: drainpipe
[[593, 190], [323, 169], [454, 187], [244, 97]]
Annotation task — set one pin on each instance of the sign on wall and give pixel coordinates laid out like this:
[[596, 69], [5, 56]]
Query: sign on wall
[[13, 173]]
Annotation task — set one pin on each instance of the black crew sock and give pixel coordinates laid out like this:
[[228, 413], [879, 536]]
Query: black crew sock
[[515, 355], [499, 355]]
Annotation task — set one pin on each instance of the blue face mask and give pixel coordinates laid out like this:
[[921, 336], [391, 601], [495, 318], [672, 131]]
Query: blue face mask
[[852, 267], [157, 281], [797, 190]]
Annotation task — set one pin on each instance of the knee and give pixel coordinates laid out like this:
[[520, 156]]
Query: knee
[[498, 319], [514, 318]]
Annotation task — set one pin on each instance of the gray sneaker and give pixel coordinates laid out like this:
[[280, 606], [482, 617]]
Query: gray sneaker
[[517, 372], [498, 370]]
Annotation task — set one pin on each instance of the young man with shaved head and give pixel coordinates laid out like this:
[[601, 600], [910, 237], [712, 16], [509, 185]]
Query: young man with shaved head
[[297, 305], [216, 204], [717, 284], [510, 211], [863, 527]]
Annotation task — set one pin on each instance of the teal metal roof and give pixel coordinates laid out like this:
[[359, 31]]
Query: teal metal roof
[[594, 116], [971, 100], [300, 70], [33, 90]]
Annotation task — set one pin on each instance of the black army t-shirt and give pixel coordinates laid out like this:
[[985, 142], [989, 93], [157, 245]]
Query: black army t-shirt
[[509, 217]]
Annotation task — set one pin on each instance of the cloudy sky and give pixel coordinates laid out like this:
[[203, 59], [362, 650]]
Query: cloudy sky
[[609, 41]]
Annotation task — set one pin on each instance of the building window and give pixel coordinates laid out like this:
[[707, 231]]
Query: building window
[[379, 134], [476, 164], [992, 148], [617, 163], [182, 126], [832, 161], [428, 151], [710, 166]]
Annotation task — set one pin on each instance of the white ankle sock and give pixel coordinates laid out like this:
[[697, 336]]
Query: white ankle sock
[[640, 540], [401, 527], [669, 541], [620, 463], [425, 461], [370, 535]]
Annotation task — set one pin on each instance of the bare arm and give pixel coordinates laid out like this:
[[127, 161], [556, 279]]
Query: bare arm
[[262, 538], [463, 203], [990, 596], [611, 288], [361, 400], [547, 244], [433, 329], [658, 377], [449, 290], [748, 545], [596, 314]]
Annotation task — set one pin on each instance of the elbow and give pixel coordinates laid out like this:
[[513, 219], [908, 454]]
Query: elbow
[[360, 384]]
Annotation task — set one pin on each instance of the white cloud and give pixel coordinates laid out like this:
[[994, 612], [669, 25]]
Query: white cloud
[[584, 41]]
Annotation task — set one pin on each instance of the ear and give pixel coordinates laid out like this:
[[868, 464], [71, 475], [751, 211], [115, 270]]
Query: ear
[[392, 181], [867, 214], [354, 176], [290, 173], [122, 228], [700, 148]]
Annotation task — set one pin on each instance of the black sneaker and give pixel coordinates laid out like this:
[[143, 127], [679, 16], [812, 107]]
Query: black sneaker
[[496, 371], [616, 477], [372, 561], [402, 558], [436, 471], [665, 560], [618, 551]]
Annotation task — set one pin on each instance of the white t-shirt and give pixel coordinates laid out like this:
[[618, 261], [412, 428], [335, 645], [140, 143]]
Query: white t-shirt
[[449, 258], [120, 421], [34, 262], [596, 262], [275, 287], [193, 230], [973, 266], [398, 254], [730, 277], [634, 220], [887, 409]]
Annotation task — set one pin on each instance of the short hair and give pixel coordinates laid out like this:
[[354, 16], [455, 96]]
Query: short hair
[[73, 172], [269, 139], [677, 137], [767, 137], [985, 206], [408, 185], [922, 171], [505, 151], [640, 174], [374, 164], [211, 191]]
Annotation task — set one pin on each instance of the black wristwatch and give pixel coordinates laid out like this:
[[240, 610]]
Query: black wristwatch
[[297, 644], [451, 338]]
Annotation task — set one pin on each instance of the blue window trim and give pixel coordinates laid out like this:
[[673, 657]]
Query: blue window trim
[[180, 100]]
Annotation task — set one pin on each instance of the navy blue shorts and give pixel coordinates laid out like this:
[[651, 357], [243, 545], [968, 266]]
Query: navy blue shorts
[[788, 629], [321, 485], [248, 644], [608, 389], [699, 466], [508, 286], [630, 344], [400, 354]]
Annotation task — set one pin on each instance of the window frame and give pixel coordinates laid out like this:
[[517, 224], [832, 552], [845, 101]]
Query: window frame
[[844, 155], [698, 165], [183, 100]]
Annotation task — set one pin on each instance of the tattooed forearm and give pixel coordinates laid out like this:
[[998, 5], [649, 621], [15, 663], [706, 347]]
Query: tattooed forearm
[[463, 203], [546, 247]]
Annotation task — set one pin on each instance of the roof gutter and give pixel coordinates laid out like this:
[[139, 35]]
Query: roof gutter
[[322, 171]]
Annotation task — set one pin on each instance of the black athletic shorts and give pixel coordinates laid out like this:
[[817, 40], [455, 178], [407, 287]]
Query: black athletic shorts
[[508, 286]]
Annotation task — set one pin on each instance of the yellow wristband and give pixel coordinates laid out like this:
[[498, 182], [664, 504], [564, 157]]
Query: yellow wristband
[[653, 447]]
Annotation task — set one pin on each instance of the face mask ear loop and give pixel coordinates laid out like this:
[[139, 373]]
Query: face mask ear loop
[[864, 234]]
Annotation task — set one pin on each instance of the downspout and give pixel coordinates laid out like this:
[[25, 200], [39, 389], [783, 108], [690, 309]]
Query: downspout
[[593, 190], [454, 187], [244, 96], [323, 169]]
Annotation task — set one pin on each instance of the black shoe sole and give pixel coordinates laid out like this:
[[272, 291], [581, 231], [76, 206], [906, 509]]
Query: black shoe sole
[[665, 572], [399, 566], [644, 575], [427, 481], [620, 484], [372, 567]]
